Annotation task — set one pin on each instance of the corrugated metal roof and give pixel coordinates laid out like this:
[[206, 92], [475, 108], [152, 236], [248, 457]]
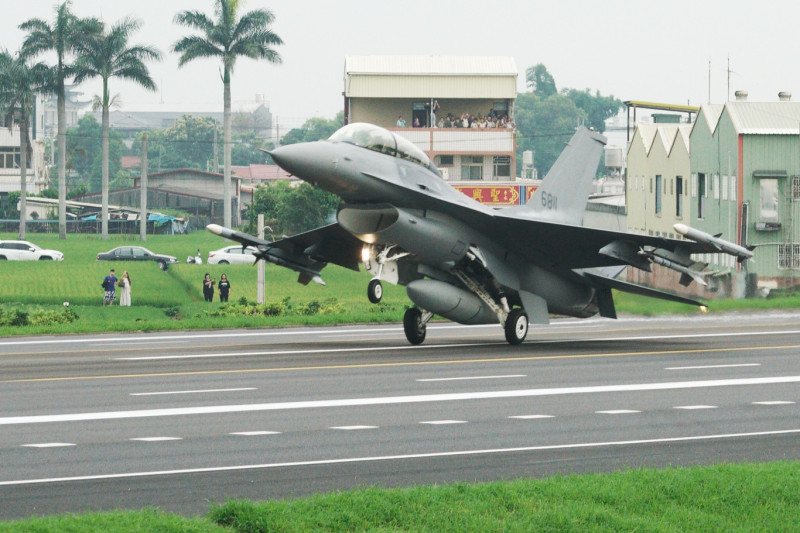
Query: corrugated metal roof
[[765, 118], [709, 115], [431, 65], [666, 133]]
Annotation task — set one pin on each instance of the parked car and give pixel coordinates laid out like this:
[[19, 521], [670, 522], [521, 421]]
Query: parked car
[[136, 253], [27, 251], [233, 255]]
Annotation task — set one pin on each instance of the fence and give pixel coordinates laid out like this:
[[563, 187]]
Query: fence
[[115, 227]]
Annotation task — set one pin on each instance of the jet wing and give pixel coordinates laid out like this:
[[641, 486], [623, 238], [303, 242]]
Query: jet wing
[[307, 253], [571, 247]]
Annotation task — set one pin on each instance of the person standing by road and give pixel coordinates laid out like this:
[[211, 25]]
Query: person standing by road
[[110, 289], [208, 287], [224, 287], [125, 290]]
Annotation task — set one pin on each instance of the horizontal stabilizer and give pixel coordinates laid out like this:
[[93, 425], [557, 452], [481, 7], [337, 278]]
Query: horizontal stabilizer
[[632, 288]]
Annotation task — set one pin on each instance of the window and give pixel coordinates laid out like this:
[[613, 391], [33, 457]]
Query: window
[[715, 186], [502, 166], [10, 157], [769, 200], [702, 192], [789, 256], [472, 167], [678, 196], [724, 187], [796, 188], [659, 188], [446, 160]]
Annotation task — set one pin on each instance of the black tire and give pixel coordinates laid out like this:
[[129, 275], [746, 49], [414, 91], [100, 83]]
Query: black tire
[[223, 262], [45, 258], [2, 258], [413, 327], [516, 326], [375, 291], [162, 265]]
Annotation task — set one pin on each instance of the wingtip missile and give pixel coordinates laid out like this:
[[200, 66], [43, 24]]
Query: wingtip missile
[[740, 252], [216, 229]]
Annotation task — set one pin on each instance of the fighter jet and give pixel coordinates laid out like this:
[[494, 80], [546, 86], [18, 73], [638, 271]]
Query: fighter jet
[[458, 258]]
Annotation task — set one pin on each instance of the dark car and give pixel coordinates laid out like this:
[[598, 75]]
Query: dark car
[[136, 253]]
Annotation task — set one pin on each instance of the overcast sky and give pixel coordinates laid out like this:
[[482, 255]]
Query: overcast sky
[[646, 50]]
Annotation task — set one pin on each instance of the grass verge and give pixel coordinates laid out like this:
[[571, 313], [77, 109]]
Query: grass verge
[[727, 497]]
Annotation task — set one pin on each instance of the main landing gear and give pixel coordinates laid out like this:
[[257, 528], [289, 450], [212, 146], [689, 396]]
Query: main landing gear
[[516, 326], [415, 324]]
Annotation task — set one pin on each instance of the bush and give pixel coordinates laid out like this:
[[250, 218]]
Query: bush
[[43, 317], [13, 317], [37, 317], [282, 308]]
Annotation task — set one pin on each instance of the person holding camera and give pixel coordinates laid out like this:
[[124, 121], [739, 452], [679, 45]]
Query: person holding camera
[[208, 287]]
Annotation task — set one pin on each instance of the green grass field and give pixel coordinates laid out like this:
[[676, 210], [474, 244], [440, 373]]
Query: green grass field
[[742, 497], [173, 299]]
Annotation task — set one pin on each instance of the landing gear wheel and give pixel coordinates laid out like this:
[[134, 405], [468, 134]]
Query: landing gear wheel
[[162, 265], [516, 326], [413, 326], [375, 290]]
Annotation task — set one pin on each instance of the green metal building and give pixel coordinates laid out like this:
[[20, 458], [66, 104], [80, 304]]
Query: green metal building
[[745, 183]]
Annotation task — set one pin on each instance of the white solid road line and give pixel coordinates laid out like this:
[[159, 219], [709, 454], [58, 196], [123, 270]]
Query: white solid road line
[[393, 400], [711, 366], [190, 391], [473, 378], [48, 445], [352, 460]]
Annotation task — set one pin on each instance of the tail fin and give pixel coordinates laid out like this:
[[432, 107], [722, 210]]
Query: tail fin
[[563, 194]]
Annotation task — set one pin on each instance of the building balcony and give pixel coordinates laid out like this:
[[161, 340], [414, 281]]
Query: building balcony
[[457, 141]]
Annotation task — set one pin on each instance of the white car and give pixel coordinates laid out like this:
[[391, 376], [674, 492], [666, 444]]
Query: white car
[[27, 251], [232, 255]]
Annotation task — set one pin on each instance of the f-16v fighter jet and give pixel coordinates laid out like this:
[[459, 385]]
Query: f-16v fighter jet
[[460, 259]]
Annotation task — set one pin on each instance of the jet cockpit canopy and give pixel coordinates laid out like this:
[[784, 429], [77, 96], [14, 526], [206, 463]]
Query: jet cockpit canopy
[[384, 141]]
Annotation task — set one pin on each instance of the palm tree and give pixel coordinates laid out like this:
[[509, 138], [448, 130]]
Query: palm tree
[[228, 37], [105, 55], [59, 38], [19, 84]]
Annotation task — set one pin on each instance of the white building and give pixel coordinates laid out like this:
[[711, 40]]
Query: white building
[[382, 89]]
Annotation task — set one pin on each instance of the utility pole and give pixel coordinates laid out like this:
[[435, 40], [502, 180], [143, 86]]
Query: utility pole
[[143, 192], [261, 280]]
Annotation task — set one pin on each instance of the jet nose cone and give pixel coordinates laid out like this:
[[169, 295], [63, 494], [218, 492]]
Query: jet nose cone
[[301, 160]]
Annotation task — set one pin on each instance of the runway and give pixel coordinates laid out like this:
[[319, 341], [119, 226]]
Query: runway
[[179, 420]]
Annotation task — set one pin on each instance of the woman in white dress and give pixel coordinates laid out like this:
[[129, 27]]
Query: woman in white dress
[[125, 290]]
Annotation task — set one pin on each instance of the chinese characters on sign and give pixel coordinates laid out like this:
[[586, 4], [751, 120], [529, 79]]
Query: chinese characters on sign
[[498, 195]]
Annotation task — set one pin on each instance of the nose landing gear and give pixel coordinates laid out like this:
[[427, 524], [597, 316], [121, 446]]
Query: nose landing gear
[[375, 290]]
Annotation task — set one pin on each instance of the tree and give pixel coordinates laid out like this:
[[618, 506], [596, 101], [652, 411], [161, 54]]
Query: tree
[[598, 108], [188, 143], [105, 55], [19, 84], [540, 81], [59, 37], [227, 37], [291, 210], [544, 125], [314, 129], [85, 155]]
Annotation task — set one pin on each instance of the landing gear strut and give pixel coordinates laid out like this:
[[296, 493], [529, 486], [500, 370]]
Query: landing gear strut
[[516, 326], [375, 290], [415, 325]]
